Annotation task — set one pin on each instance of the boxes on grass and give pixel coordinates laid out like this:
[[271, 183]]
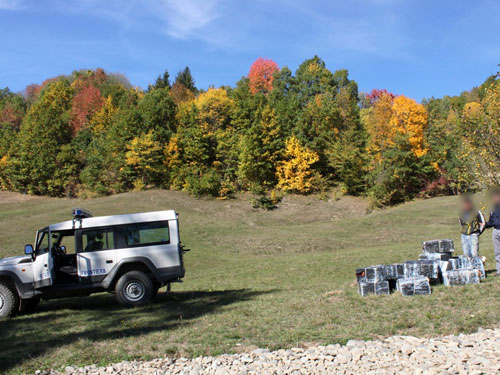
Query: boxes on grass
[[461, 277], [436, 256], [366, 288], [438, 246], [411, 268], [429, 269], [413, 286], [370, 274]]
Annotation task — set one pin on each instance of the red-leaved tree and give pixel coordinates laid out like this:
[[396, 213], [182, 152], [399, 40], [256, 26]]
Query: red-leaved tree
[[376, 94], [261, 75], [85, 103]]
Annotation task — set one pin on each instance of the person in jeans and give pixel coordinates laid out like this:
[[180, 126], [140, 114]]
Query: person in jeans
[[494, 222], [472, 225]]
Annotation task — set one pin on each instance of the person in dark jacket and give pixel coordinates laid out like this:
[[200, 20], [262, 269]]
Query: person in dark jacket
[[472, 224], [494, 222]]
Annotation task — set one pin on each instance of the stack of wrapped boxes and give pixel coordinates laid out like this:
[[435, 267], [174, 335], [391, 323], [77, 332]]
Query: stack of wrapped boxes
[[436, 265]]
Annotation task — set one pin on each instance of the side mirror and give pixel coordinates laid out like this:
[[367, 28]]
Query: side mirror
[[28, 249], [63, 249]]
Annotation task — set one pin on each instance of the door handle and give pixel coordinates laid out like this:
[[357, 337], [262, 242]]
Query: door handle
[[45, 265], [109, 261]]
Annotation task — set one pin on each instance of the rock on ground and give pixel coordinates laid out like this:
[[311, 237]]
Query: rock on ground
[[477, 353]]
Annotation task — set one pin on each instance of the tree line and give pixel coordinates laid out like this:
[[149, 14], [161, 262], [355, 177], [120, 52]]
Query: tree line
[[275, 131]]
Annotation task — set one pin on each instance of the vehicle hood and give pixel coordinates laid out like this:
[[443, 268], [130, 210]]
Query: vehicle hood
[[13, 260]]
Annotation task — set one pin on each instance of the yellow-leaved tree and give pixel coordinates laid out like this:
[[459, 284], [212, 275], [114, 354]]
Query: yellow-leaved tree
[[410, 118], [480, 128], [103, 119], [145, 158], [390, 118], [214, 109], [296, 173], [378, 125]]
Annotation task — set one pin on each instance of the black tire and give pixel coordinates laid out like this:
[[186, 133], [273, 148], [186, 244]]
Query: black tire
[[9, 301], [134, 288], [155, 291], [27, 306]]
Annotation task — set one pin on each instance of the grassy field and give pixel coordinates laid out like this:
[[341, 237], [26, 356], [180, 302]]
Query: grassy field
[[254, 279]]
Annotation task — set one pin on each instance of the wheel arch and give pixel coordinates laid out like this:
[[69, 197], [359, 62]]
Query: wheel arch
[[10, 278], [131, 264]]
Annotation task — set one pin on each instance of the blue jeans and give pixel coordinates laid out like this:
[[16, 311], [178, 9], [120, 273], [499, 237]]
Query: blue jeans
[[470, 244]]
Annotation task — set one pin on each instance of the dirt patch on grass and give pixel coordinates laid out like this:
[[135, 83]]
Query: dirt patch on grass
[[8, 197]]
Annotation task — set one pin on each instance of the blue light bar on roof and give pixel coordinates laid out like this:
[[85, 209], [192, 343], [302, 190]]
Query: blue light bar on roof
[[80, 213]]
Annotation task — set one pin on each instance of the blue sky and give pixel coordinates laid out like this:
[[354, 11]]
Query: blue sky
[[419, 48]]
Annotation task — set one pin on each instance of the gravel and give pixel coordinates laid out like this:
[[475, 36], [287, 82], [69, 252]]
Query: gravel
[[476, 353]]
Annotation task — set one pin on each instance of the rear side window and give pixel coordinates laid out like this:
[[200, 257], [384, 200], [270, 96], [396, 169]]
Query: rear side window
[[97, 240], [146, 234]]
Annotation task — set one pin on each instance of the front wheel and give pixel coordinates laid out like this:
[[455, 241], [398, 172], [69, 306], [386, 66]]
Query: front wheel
[[134, 288], [9, 301]]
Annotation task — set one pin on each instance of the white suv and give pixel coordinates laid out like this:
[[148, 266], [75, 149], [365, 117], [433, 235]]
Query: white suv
[[132, 255]]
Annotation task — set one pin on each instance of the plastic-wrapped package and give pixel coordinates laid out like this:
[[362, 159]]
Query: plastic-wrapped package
[[430, 246], [412, 268], [461, 277], [435, 256], [390, 272], [438, 246], [400, 270], [382, 288], [454, 263], [378, 288], [446, 246], [463, 263], [374, 273], [360, 275], [477, 264], [414, 286], [366, 288], [444, 265], [429, 269]]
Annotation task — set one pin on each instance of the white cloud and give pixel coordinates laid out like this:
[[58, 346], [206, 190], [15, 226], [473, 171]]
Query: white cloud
[[10, 4], [180, 19], [186, 18]]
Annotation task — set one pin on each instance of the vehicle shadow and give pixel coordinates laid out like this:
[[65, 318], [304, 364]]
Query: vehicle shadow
[[99, 318]]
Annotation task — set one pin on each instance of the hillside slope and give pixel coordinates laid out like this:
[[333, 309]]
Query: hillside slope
[[254, 278]]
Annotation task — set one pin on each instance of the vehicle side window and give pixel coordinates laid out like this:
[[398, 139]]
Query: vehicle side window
[[97, 240], [146, 234]]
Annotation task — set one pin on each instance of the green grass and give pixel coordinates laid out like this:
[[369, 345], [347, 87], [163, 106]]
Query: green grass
[[254, 278]]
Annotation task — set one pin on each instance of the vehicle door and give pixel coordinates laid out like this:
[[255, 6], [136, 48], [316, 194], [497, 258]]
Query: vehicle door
[[96, 253], [43, 266]]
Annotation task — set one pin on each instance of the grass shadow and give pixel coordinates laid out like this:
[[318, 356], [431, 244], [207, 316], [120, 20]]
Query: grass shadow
[[98, 318]]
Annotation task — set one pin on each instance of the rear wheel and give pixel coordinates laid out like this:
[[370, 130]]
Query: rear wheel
[[9, 300], [134, 288]]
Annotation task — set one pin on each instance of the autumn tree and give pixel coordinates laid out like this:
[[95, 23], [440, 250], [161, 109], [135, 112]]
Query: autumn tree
[[85, 104], [145, 157], [400, 167], [295, 173], [214, 109], [261, 75], [410, 119], [261, 148], [480, 132], [42, 165]]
